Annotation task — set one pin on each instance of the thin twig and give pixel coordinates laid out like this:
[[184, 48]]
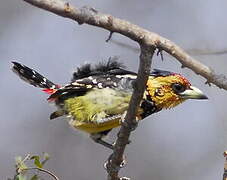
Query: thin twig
[[110, 36], [26, 158], [159, 52], [42, 170], [204, 52]]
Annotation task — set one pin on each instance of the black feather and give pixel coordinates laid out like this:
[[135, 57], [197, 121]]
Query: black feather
[[158, 72], [31, 76], [112, 66], [69, 90], [82, 71]]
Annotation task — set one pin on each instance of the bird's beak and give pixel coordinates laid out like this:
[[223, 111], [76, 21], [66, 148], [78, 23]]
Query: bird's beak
[[193, 93]]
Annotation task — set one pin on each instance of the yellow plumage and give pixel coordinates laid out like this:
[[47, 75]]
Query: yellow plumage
[[95, 127], [92, 112], [98, 110]]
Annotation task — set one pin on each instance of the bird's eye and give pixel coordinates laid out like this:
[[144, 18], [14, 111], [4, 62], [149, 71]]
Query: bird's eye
[[178, 88]]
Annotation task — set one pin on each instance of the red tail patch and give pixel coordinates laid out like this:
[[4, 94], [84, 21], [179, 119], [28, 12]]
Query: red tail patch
[[49, 91]]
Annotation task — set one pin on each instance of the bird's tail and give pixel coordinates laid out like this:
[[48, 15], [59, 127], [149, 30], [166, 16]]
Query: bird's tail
[[34, 78]]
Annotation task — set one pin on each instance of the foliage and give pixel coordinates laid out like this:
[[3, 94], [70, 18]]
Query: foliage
[[33, 164]]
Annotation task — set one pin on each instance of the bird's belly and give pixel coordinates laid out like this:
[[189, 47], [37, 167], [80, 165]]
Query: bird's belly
[[97, 111], [94, 127]]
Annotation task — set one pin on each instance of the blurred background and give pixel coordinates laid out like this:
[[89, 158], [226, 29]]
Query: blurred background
[[182, 143]]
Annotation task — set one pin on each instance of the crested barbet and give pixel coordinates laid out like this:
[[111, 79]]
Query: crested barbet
[[98, 96]]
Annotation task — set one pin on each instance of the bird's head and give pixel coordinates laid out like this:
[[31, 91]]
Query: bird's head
[[171, 89]]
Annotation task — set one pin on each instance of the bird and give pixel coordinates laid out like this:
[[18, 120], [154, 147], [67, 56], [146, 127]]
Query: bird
[[97, 97]]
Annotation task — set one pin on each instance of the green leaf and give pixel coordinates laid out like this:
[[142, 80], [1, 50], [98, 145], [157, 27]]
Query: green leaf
[[37, 162], [46, 157], [20, 177], [35, 177]]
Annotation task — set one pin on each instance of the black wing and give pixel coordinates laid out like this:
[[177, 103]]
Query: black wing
[[104, 75]]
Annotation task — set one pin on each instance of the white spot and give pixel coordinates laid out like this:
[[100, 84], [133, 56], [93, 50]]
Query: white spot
[[94, 81], [71, 121], [115, 84], [90, 77], [89, 86], [79, 80], [118, 76], [31, 81], [33, 76], [75, 84], [100, 85], [103, 120], [108, 79], [123, 117], [127, 76], [33, 72], [44, 79], [21, 71]]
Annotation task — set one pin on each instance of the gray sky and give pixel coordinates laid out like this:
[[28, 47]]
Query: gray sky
[[182, 143]]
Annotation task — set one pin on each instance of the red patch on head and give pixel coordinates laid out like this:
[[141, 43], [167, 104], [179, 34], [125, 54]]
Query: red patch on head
[[183, 80]]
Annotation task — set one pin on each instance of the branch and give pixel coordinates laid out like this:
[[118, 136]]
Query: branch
[[148, 41], [201, 52], [130, 123], [93, 17], [194, 52]]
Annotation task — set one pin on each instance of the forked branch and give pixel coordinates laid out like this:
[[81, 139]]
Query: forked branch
[[91, 16], [148, 42]]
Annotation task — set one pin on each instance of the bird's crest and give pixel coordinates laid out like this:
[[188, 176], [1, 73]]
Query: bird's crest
[[104, 67]]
